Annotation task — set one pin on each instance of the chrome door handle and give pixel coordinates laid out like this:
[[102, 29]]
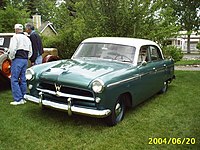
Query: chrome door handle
[[154, 69]]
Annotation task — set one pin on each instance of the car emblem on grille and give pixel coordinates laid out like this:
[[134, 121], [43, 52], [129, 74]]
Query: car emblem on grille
[[58, 87]]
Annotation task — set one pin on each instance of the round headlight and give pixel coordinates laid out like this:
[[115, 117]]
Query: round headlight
[[98, 86], [29, 74]]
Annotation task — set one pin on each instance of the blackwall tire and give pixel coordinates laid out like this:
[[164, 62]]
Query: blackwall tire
[[165, 88], [118, 112]]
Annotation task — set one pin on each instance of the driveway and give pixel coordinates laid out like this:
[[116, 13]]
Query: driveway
[[190, 67]]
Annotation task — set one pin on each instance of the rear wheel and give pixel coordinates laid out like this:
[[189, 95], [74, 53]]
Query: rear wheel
[[118, 112], [165, 87]]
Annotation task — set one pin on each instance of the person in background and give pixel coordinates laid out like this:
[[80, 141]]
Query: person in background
[[37, 47], [20, 50]]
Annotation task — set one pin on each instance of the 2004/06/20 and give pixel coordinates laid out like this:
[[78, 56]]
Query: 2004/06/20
[[173, 141]]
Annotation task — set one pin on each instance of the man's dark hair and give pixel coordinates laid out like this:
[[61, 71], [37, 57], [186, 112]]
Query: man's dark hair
[[29, 26]]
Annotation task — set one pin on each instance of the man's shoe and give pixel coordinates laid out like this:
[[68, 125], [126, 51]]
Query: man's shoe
[[17, 103]]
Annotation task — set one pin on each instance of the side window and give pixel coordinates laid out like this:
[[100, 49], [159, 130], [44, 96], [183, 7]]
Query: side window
[[155, 54], [143, 54]]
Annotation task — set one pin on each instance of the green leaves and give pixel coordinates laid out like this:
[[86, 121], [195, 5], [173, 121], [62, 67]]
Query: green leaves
[[11, 16], [76, 20]]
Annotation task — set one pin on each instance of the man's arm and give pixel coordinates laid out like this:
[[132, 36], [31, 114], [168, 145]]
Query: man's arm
[[34, 48], [12, 47]]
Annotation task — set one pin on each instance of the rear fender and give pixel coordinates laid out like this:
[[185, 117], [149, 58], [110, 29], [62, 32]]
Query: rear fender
[[49, 58], [5, 64], [6, 68]]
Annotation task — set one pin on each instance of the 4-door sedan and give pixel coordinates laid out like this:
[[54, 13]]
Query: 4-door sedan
[[104, 76]]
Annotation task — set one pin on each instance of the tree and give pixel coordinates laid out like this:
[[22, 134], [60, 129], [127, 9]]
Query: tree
[[2, 3], [10, 16], [32, 6], [187, 12], [128, 18], [45, 8]]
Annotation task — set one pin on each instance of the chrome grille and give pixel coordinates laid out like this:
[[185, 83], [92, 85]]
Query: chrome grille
[[67, 90], [79, 97]]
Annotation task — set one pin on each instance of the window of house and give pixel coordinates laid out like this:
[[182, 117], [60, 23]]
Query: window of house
[[179, 42]]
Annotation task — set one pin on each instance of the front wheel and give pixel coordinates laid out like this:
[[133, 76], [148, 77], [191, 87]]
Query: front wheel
[[118, 112]]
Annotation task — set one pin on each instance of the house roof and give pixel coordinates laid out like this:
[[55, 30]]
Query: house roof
[[45, 25]]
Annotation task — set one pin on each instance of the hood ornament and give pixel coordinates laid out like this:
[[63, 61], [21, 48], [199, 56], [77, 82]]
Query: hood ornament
[[58, 87]]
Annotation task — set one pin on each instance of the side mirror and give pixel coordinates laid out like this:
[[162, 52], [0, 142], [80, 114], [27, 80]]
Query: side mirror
[[143, 63]]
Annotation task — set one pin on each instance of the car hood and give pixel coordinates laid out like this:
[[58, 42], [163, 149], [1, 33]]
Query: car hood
[[81, 72]]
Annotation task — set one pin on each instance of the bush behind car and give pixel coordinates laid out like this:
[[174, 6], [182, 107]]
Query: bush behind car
[[174, 52]]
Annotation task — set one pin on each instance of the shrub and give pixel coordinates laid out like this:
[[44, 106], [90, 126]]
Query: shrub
[[198, 46], [64, 43], [174, 52]]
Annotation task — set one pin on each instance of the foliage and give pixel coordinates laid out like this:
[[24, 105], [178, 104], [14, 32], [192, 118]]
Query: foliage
[[11, 16], [174, 52], [45, 8], [172, 115], [187, 12], [198, 46], [66, 45], [2, 3], [113, 18], [76, 20], [188, 17]]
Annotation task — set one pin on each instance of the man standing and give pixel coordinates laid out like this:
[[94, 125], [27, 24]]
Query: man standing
[[37, 47], [20, 50]]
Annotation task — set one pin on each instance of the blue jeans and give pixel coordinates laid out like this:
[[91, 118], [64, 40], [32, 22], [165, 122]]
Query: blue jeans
[[38, 60], [18, 78]]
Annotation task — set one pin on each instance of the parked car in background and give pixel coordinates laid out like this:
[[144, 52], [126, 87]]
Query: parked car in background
[[5, 62], [104, 77], [50, 54]]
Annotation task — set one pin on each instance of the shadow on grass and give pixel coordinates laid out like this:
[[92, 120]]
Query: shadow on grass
[[4, 84], [62, 118]]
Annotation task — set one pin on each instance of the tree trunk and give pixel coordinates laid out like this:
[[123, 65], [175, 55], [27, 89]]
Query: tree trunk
[[188, 44]]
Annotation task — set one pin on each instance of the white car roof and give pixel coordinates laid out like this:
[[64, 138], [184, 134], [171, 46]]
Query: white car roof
[[120, 40]]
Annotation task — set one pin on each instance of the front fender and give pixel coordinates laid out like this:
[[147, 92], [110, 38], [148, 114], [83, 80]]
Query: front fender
[[5, 65]]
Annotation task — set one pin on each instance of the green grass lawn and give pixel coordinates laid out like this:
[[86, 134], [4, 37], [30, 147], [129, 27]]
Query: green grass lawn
[[175, 114], [188, 62]]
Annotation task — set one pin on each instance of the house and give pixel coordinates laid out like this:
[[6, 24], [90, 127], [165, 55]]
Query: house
[[181, 41], [45, 28]]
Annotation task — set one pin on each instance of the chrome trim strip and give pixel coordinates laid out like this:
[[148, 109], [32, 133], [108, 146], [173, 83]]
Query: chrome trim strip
[[74, 109], [137, 76], [31, 98], [60, 94], [125, 80]]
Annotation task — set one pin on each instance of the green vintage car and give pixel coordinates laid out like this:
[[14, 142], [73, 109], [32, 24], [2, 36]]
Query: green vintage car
[[104, 76]]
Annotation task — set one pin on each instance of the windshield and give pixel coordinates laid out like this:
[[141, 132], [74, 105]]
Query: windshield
[[117, 52]]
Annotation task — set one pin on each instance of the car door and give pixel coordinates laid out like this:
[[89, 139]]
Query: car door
[[147, 74], [151, 70], [158, 66]]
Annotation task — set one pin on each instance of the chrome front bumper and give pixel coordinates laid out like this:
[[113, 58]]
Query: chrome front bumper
[[70, 109]]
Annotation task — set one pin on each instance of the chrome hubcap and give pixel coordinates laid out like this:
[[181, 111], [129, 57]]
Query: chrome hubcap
[[118, 109]]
